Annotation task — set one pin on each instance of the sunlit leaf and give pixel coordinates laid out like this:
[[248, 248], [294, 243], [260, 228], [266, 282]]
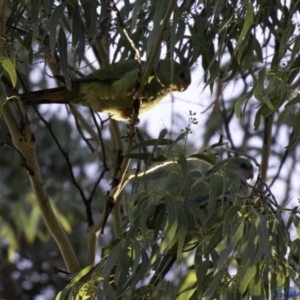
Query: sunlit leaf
[[247, 23], [9, 67]]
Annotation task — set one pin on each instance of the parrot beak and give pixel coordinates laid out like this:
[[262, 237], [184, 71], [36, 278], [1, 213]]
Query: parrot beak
[[251, 174], [182, 86]]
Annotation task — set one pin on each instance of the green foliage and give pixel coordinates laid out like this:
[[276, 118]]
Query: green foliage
[[9, 67], [244, 237], [249, 54]]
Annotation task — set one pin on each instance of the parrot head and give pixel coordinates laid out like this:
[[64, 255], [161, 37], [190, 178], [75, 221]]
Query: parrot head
[[236, 166], [242, 167], [180, 79], [228, 177]]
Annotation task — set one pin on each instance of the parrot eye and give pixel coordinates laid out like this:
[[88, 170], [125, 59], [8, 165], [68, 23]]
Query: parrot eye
[[182, 75], [243, 165]]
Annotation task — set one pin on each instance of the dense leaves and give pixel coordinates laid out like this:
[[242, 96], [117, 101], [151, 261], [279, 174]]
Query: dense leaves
[[247, 53]]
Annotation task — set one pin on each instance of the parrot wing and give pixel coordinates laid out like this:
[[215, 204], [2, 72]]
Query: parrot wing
[[112, 72]]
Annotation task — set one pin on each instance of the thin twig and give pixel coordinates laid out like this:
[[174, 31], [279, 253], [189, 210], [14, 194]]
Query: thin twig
[[156, 48], [121, 178], [69, 165], [131, 42], [100, 138], [80, 130], [283, 159]]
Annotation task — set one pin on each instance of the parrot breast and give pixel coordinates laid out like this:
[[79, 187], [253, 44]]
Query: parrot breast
[[116, 98]]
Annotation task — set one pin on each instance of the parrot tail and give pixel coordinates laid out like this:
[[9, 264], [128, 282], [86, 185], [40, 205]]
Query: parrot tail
[[55, 95]]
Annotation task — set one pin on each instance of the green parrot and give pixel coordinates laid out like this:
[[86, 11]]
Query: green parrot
[[110, 88], [227, 179]]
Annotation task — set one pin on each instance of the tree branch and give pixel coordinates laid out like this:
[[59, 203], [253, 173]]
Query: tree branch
[[24, 142]]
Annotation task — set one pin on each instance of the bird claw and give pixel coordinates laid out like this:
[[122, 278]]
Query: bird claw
[[142, 97], [135, 124]]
